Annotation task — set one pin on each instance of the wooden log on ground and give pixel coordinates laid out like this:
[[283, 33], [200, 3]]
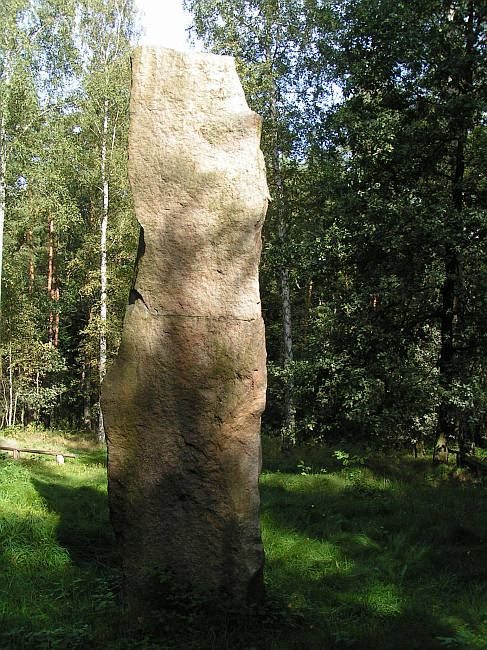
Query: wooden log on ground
[[474, 463], [59, 456], [467, 460]]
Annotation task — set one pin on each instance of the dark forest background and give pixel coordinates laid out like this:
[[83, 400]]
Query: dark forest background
[[374, 265]]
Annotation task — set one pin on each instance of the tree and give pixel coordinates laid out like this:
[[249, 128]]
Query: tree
[[35, 56], [66, 175], [413, 78], [106, 84], [266, 37]]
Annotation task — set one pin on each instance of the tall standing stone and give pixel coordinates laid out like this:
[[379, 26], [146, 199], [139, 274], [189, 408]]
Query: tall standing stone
[[183, 400]]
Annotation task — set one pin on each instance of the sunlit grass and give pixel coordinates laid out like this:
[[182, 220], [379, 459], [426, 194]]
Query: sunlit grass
[[382, 553], [385, 554]]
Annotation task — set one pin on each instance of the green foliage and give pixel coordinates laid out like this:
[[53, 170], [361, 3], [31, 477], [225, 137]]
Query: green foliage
[[303, 468], [51, 283], [347, 460], [463, 639]]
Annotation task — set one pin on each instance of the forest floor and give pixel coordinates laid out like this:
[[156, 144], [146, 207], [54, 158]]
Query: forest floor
[[363, 550]]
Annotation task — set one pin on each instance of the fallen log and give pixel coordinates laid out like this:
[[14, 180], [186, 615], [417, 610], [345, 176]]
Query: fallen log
[[59, 456], [473, 463], [467, 460]]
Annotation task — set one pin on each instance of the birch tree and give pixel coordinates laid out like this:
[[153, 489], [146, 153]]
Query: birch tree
[[107, 29]]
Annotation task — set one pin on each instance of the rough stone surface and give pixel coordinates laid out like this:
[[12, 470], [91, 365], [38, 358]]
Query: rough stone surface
[[183, 400]]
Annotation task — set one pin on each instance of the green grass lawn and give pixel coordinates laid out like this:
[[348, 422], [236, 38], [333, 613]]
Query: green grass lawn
[[387, 554]]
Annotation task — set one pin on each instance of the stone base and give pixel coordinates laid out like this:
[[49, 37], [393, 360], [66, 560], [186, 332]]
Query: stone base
[[182, 409]]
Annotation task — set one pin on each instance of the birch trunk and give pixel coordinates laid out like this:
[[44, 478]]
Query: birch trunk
[[289, 418], [15, 408], [3, 171], [307, 303], [103, 266], [10, 386], [3, 158], [50, 283]]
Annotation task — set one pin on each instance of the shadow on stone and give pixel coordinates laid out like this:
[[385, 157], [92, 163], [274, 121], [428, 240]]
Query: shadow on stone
[[182, 402]]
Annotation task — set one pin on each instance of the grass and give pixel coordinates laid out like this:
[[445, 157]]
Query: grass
[[387, 554]]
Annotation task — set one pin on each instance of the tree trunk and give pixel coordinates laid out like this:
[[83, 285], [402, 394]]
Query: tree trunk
[[289, 419], [15, 408], [7, 74], [3, 171], [85, 378], [307, 306], [103, 267], [50, 266], [31, 261], [36, 408], [56, 319], [450, 420], [288, 433], [52, 288], [446, 417], [10, 386], [5, 403], [30, 235]]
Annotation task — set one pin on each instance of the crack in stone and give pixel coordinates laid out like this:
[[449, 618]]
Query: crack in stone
[[195, 447], [155, 312]]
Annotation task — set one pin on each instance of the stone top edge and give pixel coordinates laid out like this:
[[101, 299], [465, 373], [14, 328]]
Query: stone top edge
[[142, 49]]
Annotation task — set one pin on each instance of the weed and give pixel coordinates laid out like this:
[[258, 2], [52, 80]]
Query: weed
[[304, 469], [348, 460]]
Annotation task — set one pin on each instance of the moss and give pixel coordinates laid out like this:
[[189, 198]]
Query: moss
[[224, 364]]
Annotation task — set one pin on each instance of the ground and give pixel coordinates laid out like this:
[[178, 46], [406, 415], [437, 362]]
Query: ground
[[363, 550]]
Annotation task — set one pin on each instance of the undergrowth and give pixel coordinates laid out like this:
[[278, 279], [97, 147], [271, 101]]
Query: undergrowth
[[362, 551]]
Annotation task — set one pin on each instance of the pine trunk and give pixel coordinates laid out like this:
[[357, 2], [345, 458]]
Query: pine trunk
[[31, 261]]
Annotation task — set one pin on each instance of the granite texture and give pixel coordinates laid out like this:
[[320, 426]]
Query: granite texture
[[183, 400]]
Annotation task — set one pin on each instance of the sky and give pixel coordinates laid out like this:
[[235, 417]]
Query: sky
[[164, 23]]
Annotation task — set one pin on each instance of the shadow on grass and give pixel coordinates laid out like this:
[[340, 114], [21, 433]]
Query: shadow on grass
[[84, 527], [83, 522], [361, 559], [58, 569], [374, 562]]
